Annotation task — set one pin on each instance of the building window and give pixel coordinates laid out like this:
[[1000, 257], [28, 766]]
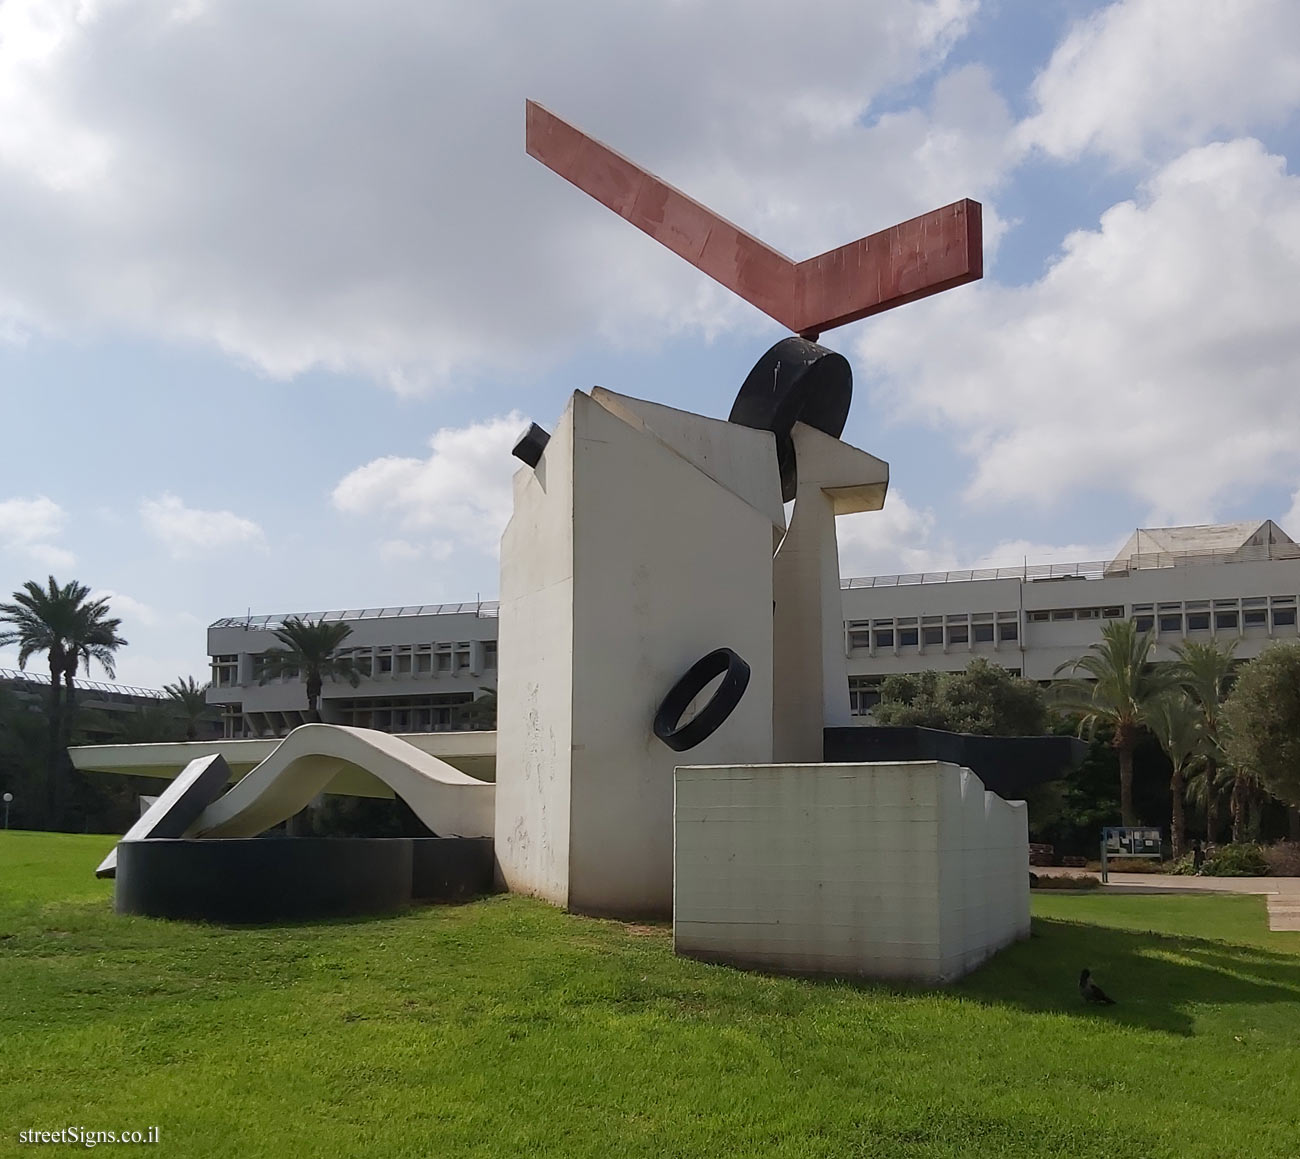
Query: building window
[[424, 662], [1063, 614], [1039, 617], [1144, 623], [932, 635], [1225, 621], [983, 633], [859, 639], [1008, 632], [444, 661], [864, 694], [232, 720], [907, 637], [884, 637], [1198, 621], [1170, 623], [489, 654], [225, 671], [1284, 617], [1113, 613], [1257, 618], [462, 658], [384, 664], [958, 634], [404, 664]]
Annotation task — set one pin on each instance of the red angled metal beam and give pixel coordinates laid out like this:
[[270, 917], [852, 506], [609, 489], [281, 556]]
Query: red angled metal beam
[[924, 256]]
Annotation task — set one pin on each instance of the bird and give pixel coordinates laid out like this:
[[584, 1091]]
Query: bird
[[1091, 992]]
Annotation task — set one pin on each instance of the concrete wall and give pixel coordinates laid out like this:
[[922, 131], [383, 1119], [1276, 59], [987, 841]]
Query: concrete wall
[[623, 564], [891, 871], [535, 686]]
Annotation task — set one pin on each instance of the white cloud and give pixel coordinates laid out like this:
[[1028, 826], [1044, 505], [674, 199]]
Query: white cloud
[[188, 531], [461, 491], [27, 526], [1145, 75], [361, 199], [1290, 522], [1158, 355], [897, 540]]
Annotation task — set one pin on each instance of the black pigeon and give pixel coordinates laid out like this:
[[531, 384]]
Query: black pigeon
[[1092, 992]]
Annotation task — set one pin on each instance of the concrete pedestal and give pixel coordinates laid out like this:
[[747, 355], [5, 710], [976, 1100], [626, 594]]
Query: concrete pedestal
[[908, 871]]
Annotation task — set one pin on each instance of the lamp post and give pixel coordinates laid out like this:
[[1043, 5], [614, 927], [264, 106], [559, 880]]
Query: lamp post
[[7, 798]]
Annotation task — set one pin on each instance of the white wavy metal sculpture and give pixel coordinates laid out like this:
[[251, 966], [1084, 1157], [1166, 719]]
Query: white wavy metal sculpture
[[449, 802]]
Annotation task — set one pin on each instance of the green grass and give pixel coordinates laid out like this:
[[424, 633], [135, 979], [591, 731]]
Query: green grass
[[506, 1027]]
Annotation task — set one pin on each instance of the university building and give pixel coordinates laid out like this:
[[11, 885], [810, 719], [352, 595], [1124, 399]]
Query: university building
[[420, 665]]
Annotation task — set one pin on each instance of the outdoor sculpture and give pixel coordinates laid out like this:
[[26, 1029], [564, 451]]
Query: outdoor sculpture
[[655, 602], [648, 569]]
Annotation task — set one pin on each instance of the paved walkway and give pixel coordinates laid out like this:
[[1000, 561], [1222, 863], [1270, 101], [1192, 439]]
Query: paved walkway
[[1283, 893]]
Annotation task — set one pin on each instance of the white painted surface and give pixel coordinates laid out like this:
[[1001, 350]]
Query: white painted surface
[[891, 871], [473, 753], [810, 682], [175, 809], [623, 564], [535, 684], [448, 801]]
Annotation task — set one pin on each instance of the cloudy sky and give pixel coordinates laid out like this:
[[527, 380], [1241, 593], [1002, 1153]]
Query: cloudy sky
[[279, 284]]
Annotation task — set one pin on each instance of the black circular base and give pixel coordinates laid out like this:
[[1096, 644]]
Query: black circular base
[[294, 879], [720, 706]]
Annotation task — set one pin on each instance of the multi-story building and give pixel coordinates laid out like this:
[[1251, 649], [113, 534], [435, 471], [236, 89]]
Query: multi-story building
[[418, 666], [1235, 582], [102, 705]]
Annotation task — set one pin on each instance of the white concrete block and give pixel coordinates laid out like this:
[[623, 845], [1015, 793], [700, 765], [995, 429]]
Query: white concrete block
[[623, 564], [797, 868]]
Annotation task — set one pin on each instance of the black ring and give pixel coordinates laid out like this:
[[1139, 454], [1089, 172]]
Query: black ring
[[721, 704], [795, 381]]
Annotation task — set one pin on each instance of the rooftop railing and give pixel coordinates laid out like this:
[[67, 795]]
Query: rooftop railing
[[483, 609], [1094, 569], [100, 686]]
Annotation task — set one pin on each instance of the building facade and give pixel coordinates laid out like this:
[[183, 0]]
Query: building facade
[[421, 665]]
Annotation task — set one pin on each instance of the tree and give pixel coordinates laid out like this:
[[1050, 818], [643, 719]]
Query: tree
[[1205, 670], [309, 652], [480, 713], [94, 637], [60, 622], [1124, 685], [984, 699], [189, 701], [1179, 727], [1262, 719]]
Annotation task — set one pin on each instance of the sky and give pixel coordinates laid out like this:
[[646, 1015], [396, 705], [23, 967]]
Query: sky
[[280, 286]]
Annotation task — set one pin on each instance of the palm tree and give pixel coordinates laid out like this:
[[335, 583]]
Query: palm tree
[[1124, 686], [1205, 789], [190, 703], [1204, 669], [94, 637], [1179, 727], [309, 653], [58, 621]]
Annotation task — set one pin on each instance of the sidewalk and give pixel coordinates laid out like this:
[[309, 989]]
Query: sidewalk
[[1283, 893]]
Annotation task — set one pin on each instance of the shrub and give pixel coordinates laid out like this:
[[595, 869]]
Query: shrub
[[1134, 865], [1062, 881], [1283, 859], [1236, 861], [1185, 866]]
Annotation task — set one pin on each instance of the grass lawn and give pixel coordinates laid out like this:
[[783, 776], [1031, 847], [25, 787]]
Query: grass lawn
[[506, 1027]]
